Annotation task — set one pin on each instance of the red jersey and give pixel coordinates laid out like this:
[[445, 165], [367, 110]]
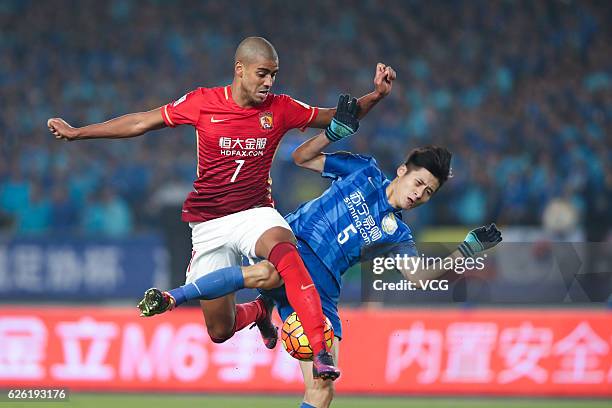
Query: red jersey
[[235, 147]]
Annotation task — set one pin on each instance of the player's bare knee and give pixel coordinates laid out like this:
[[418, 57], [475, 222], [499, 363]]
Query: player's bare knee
[[267, 276], [265, 270], [220, 333], [220, 336]]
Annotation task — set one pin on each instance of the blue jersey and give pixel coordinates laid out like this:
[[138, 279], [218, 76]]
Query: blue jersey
[[351, 216]]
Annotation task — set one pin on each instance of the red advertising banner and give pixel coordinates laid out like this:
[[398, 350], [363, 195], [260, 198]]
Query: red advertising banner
[[505, 352]]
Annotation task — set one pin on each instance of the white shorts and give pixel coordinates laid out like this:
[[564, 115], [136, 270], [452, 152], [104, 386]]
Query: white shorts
[[222, 242]]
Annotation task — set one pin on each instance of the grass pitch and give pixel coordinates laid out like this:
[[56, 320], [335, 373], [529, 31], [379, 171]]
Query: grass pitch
[[253, 401]]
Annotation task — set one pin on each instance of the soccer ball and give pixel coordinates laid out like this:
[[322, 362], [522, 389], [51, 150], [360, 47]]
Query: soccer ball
[[295, 341]]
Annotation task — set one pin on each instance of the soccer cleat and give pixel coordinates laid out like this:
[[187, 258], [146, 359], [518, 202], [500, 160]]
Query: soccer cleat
[[323, 366], [269, 332], [155, 302]]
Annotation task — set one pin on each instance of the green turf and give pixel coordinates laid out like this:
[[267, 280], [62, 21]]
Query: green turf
[[172, 401]]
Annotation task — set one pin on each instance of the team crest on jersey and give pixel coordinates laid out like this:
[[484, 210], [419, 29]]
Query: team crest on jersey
[[266, 121], [389, 223]]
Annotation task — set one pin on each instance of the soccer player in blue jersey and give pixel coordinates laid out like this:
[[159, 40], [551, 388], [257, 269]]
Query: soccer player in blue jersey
[[361, 209]]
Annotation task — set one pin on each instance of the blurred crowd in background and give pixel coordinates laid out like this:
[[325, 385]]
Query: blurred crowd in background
[[520, 91]]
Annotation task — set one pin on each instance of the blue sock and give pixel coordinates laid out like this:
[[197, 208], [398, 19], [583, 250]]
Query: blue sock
[[306, 405], [216, 284]]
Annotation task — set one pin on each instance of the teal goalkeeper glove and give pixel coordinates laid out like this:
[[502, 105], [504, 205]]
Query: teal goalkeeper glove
[[480, 239], [345, 122]]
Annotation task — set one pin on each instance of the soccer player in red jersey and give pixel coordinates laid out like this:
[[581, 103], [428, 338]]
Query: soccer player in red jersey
[[231, 211]]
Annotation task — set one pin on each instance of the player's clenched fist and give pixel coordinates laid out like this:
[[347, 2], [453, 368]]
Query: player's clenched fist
[[480, 239], [383, 79], [61, 129]]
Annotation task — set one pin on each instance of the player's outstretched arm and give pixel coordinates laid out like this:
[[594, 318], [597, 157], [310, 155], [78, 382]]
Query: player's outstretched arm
[[476, 241], [133, 124], [344, 123], [383, 82], [309, 154]]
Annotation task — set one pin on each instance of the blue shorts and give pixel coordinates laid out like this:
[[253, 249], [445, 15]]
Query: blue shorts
[[325, 282]]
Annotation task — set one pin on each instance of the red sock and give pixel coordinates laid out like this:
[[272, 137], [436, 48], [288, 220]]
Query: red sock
[[301, 292], [247, 313]]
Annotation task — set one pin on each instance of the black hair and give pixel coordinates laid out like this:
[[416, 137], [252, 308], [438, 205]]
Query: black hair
[[436, 159]]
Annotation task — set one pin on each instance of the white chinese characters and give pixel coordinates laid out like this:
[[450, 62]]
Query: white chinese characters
[[243, 147], [23, 345]]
